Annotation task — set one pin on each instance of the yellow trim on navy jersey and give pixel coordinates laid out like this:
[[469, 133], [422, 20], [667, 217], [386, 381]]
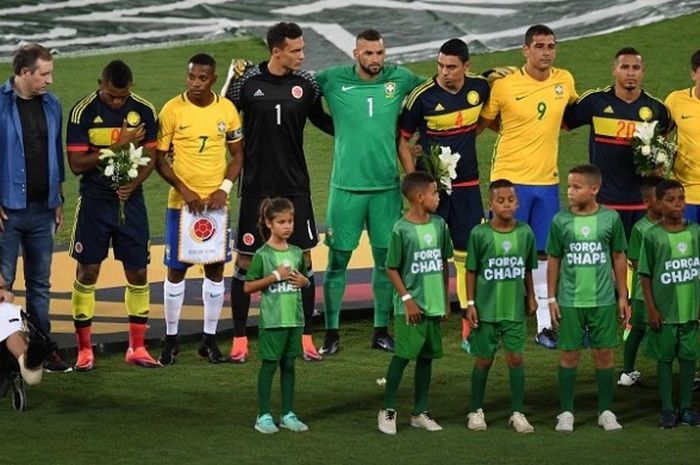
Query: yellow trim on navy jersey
[[77, 112], [417, 91]]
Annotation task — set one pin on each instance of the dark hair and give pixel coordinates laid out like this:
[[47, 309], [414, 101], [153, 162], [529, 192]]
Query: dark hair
[[118, 74], [415, 181], [277, 34], [648, 184], [270, 207], [695, 60], [627, 51], [456, 47], [369, 34], [665, 186], [537, 30], [590, 171], [26, 57], [203, 59], [499, 184]]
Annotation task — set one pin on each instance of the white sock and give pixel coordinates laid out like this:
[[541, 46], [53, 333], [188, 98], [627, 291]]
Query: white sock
[[539, 277], [213, 298], [173, 297]]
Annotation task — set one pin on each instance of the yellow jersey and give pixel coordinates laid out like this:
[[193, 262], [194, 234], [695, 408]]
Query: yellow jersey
[[685, 111], [197, 137], [531, 113]]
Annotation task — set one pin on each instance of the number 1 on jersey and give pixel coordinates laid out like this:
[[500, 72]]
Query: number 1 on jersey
[[370, 106], [278, 112]]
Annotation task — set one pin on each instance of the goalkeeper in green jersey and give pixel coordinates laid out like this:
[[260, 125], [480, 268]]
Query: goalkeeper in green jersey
[[416, 265], [669, 269], [586, 250], [501, 255]]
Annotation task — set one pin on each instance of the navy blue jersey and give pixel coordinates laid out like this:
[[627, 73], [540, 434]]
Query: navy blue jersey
[[613, 122], [93, 126], [447, 119]]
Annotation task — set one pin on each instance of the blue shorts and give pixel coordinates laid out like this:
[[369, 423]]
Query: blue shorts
[[172, 241], [97, 225], [537, 207], [692, 213], [462, 211]]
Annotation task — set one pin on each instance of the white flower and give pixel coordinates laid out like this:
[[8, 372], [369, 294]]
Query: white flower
[[133, 173], [381, 381], [106, 153], [645, 132], [646, 150], [661, 157], [446, 181], [109, 170], [449, 161]]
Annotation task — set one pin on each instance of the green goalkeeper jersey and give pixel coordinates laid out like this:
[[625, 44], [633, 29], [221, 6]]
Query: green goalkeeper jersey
[[585, 244], [633, 252], [365, 119], [280, 303], [418, 252], [500, 261], [672, 261]]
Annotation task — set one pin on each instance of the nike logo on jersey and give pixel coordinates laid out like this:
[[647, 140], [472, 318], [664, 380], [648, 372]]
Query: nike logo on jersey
[[259, 93], [520, 97], [608, 109], [185, 127], [686, 116], [347, 88]]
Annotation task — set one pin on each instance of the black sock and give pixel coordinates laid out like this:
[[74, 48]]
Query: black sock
[[240, 303], [381, 331], [308, 299], [331, 336]]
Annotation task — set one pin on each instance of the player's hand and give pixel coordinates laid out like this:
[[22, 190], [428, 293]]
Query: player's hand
[[124, 192], [413, 314], [131, 135], [531, 305], [193, 200], [655, 319], [298, 280], [625, 312], [555, 314], [3, 217], [472, 316], [6, 296], [285, 272], [218, 199], [58, 217], [493, 74]]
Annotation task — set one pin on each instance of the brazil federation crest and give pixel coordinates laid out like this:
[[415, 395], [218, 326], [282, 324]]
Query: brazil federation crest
[[221, 126], [389, 89], [558, 90], [203, 237]]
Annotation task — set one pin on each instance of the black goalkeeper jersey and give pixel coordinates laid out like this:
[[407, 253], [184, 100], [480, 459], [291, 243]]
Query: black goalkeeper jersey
[[613, 122], [274, 111]]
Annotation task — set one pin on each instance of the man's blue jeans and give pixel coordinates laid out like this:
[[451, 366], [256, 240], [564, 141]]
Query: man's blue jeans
[[33, 229]]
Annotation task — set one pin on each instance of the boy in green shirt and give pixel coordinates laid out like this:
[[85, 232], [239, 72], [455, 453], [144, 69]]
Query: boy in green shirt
[[586, 247], [501, 255], [638, 320], [669, 267], [417, 267]]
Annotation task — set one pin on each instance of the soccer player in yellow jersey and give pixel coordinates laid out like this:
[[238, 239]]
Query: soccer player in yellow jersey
[[528, 105], [684, 106], [197, 125]]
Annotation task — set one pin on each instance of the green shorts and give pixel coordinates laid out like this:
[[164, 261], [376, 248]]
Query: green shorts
[[484, 338], [600, 321], [279, 343], [679, 340], [349, 212], [639, 314], [419, 340]]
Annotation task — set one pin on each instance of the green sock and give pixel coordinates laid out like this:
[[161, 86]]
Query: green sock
[[631, 348], [265, 375], [664, 372], [424, 368], [517, 388], [604, 382], [382, 289], [479, 378], [393, 379], [334, 285], [567, 387], [287, 384], [687, 368]]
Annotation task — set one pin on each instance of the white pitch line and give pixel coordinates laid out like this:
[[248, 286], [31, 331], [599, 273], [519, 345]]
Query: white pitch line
[[321, 5], [24, 9]]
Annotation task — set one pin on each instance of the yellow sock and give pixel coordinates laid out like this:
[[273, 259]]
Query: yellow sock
[[460, 259], [137, 300], [83, 301]]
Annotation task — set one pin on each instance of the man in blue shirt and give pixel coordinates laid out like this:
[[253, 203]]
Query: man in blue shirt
[[31, 173]]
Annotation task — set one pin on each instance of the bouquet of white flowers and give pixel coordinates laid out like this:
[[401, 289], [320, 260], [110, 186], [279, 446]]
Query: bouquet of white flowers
[[653, 154], [441, 163], [122, 167]]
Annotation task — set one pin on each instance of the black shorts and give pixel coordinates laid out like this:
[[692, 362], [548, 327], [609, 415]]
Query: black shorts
[[97, 224], [462, 211], [248, 238]]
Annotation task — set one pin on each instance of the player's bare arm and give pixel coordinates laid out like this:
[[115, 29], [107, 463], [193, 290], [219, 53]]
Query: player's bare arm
[[553, 264], [446, 283], [192, 199], [219, 198], [413, 314], [284, 273], [472, 314], [655, 319], [405, 155], [620, 271], [531, 304]]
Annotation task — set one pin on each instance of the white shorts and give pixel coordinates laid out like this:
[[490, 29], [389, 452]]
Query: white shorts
[[10, 320]]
